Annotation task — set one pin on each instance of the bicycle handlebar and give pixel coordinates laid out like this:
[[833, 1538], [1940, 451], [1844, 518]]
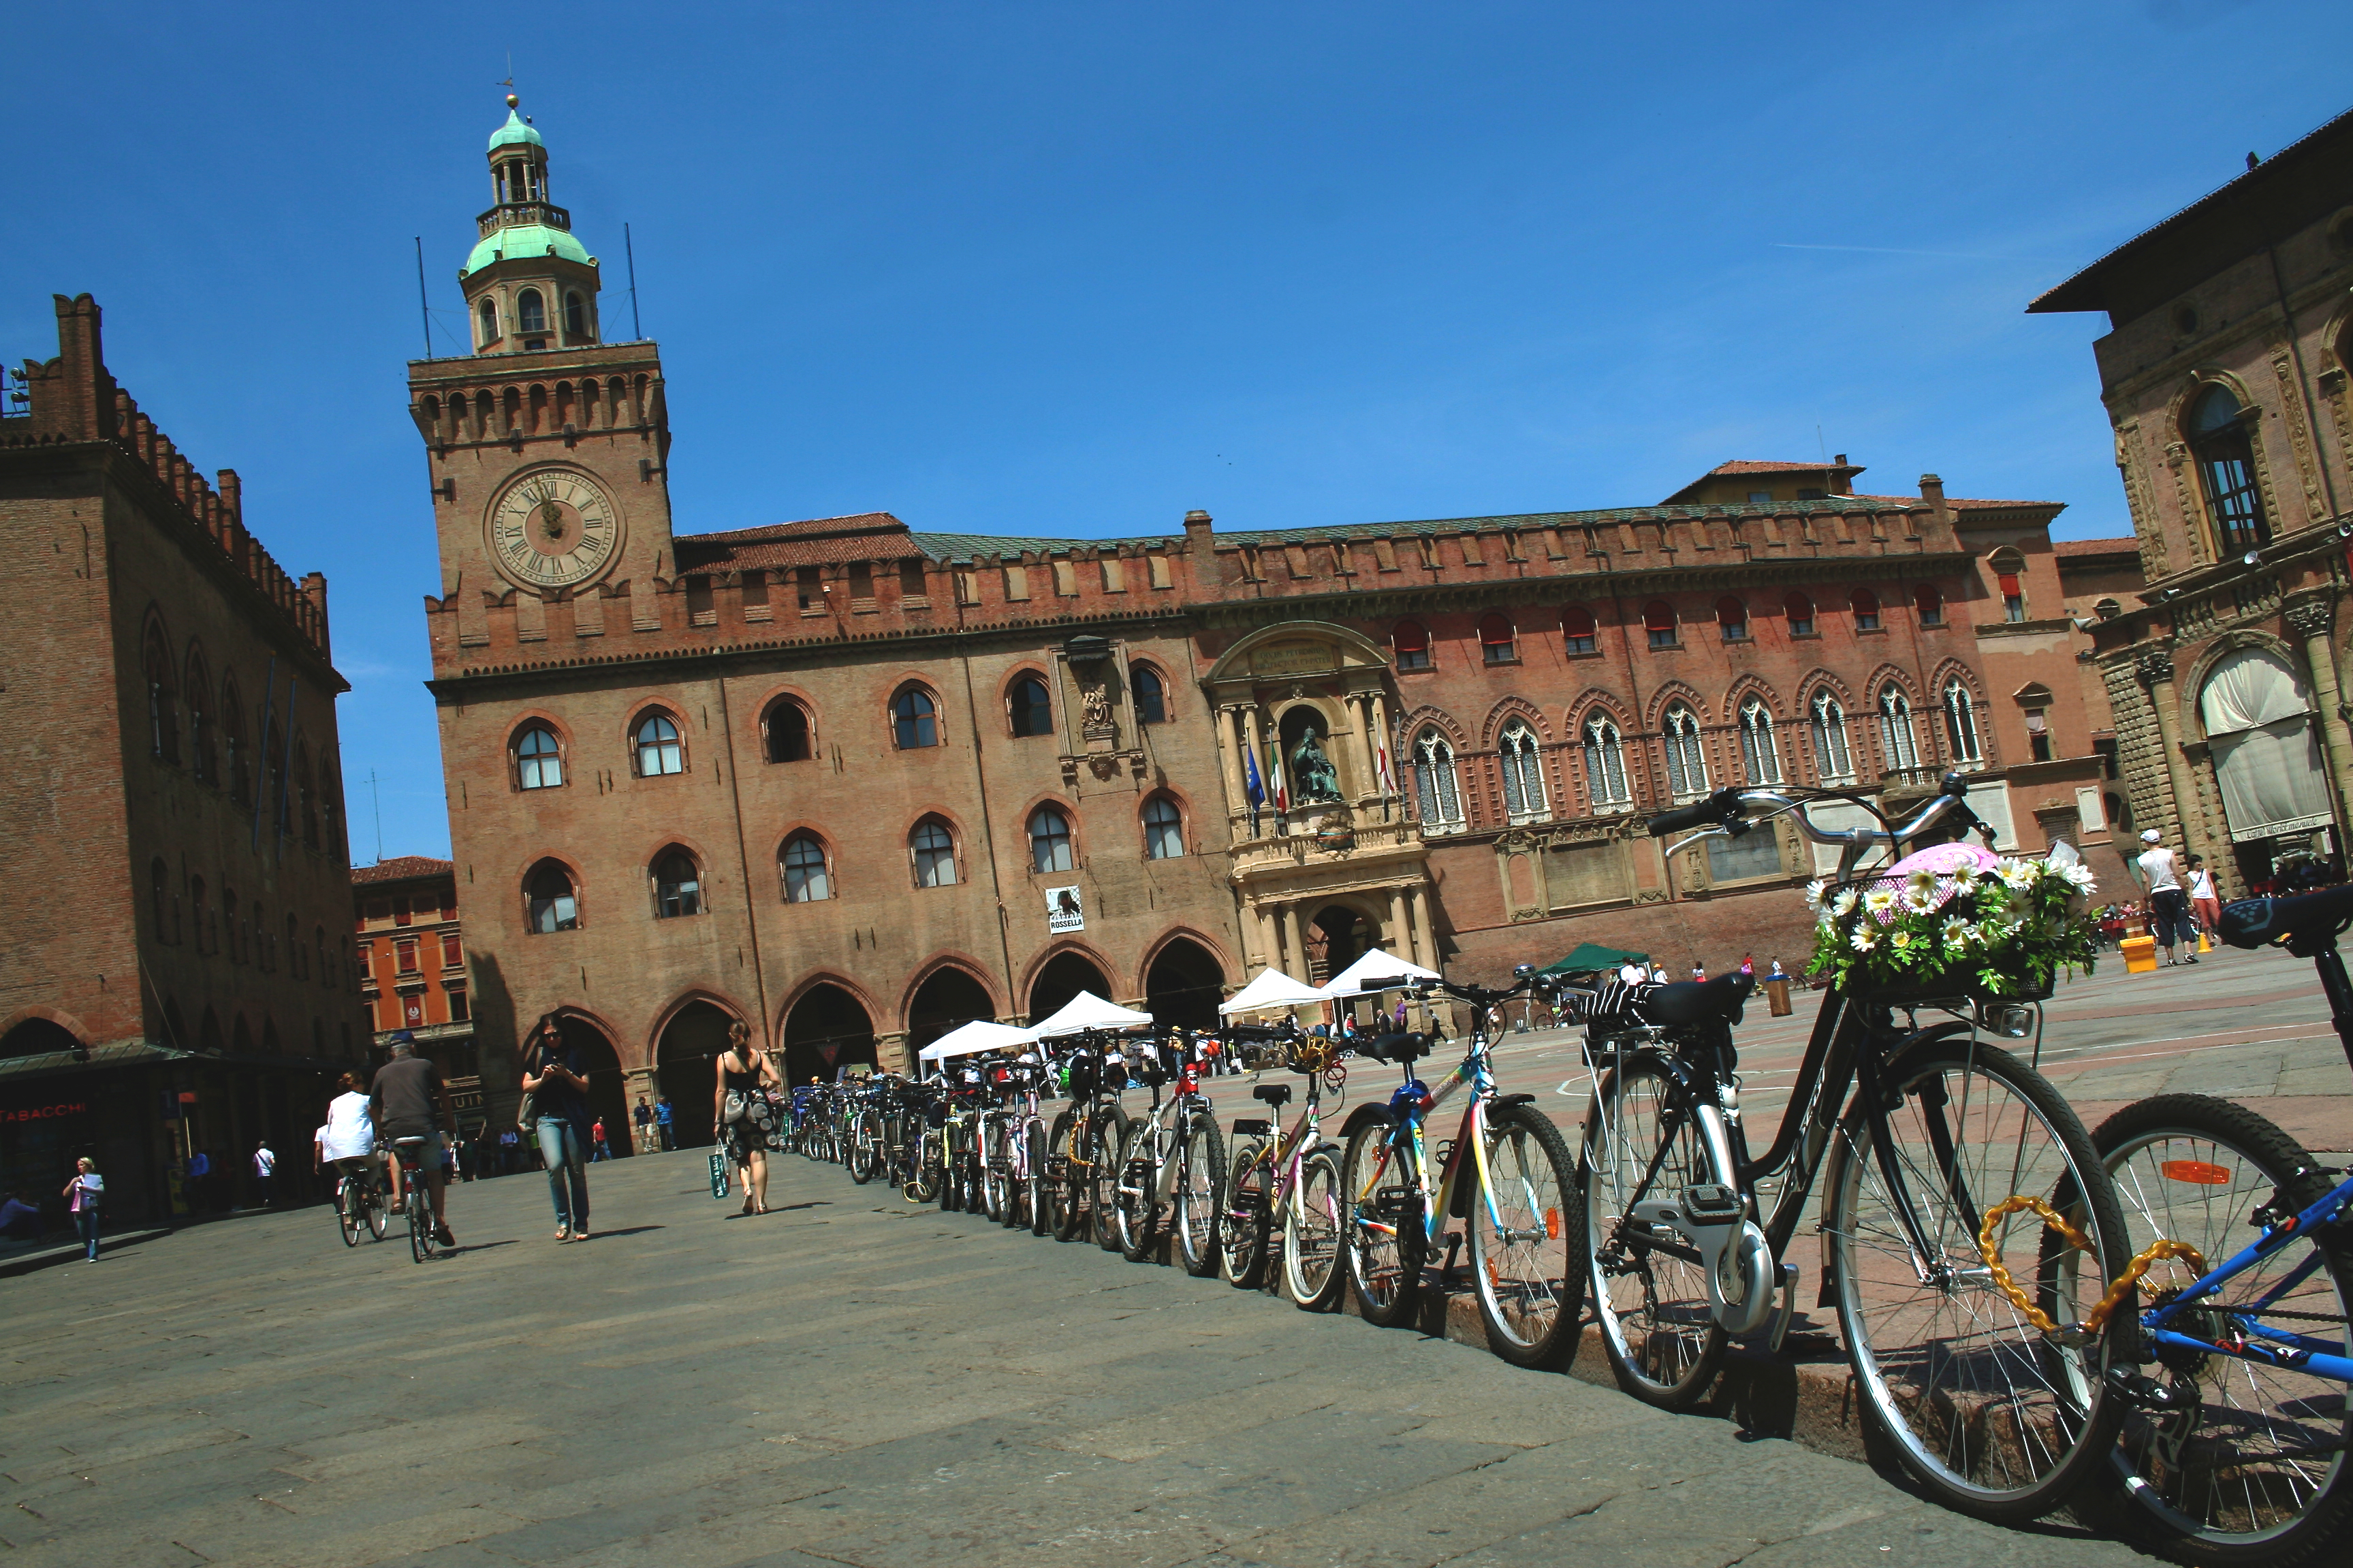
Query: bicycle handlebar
[[1728, 813]]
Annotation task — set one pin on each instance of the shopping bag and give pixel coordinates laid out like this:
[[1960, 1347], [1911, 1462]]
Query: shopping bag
[[718, 1174]]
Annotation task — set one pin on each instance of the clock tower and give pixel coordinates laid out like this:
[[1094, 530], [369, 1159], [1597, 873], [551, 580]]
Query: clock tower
[[548, 447]]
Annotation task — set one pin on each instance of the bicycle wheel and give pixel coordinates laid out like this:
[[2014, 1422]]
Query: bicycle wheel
[[1990, 1415], [1650, 1293], [863, 1151], [1068, 1191], [1525, 1240], [1137, 1206], [351, 1211], [993, 1199], [1103, 1184], [1201, 1189], [1243, 1221], [1037, 1191], [922, 1185], [420, 1222], [952, 1192], [379, 1217], [2253, 1468], [1311, 1235], [1385, 1241]]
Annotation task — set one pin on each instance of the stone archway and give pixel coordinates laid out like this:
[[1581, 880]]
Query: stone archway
[[1064, 976], [37, 1037], [609, 1094], [827, 1030], [1183, 986], [1336, 938], [690, 1043], [949, 997]]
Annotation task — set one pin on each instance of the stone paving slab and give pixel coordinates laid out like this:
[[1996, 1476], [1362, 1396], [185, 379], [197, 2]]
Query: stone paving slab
[[851, 1383]]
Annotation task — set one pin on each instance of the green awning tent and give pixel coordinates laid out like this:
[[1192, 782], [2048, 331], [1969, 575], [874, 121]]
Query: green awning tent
[[1589, 957]]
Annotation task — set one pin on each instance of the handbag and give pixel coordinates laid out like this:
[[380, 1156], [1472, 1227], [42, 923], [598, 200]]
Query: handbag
[[526, 1114]]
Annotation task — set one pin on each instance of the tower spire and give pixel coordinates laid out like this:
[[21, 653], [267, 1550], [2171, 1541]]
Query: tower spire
[[530, 286]]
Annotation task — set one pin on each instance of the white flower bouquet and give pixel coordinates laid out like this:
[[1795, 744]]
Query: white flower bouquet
[[1959, 919]]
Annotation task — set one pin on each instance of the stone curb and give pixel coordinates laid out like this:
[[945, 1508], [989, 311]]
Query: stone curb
[[71, 1251]]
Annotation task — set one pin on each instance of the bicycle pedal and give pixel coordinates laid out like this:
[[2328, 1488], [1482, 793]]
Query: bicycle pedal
[[2143, 1392]]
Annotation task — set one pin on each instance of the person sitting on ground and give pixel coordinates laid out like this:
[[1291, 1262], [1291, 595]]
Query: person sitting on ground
[[410, 1102]]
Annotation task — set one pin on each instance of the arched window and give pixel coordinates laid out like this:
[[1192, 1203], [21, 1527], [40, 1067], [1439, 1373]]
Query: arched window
[[1032, 710], [1865, 604], [914, 722], [1049, 840], [1896, 738], [1150, 694], [295, 961], [1659, 621], [808, 879], [1687, 753], [1798, 611], [1524, 785], [326, 962], [200, 914], [231, 931], [265, 946], [1434, 785], [657, 747], [934, 849], [2009, 570], [162, 714], [539, 760], [1576, 629], [786, 726], [1930, 604], [489, 313], [575, 317], [678, 885], [1833, 759], [306, 794], [1760, 751], [1497, 642], [198, 687], [1605, 764], [1164, 829], [531, 312], [1732, 619], [1961, 722], [1411, 643], [550, 903], [238, 761], [2226, 471], [159, 877]]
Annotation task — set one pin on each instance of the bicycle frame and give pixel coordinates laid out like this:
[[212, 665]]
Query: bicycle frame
[[1288, 1149], [1408, 1139]]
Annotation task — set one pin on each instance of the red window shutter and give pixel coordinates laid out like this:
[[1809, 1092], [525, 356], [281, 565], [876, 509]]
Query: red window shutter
[[1731, 612], [1495, 631], [1577, 622], [2009, 585], [1930, 603], [1409, 637], [1659, 616]]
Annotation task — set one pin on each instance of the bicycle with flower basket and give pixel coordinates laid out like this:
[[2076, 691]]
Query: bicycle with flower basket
[[1914, 1126]]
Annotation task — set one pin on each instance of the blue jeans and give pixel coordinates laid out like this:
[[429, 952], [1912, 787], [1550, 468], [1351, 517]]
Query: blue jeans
[[565, 1147], [87, 1223]]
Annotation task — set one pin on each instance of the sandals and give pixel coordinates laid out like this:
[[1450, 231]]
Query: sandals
[[746, 1208]]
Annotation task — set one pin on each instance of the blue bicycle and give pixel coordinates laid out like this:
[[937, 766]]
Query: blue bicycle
[[2235, 1445]]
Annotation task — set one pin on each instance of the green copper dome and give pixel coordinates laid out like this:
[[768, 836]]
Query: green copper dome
[[514, 131], [521, 243]]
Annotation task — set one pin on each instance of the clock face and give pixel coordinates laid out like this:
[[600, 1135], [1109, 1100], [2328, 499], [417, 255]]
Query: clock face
[[553, 528]]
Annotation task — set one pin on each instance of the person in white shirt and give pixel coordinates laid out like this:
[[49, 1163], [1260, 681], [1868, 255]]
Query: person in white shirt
[[348, 1139], [2169, 905], [2203, 901], [265, 1171]]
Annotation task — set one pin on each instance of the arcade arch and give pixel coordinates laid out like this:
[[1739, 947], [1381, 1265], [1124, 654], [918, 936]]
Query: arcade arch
[[948, 997], [1183, 986], [827, 1030], [684, 1059], [1064, 976]]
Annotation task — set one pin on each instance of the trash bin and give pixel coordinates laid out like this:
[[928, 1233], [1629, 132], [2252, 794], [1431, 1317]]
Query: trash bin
[[1777, 996], [2140, 954]]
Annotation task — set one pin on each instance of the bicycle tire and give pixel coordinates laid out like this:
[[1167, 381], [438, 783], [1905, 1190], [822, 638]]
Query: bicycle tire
[[1988, 1416], [1653, 1308], [351, 1211], [1138, 1204], [1200, 1193], [1243, 1221], [1384, 1265], [1312, 1235], [993, 1199], [420, 1223], [1069, 1209], [1034, 1182], [862, 1153], [379, 1221], [1103, 1184], [2280, 1504], [1527, 1270]]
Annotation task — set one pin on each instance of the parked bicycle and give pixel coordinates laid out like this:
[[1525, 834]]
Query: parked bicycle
[[1082, 1169], [1292, 1176], [1174, 1161], [358, 1204]]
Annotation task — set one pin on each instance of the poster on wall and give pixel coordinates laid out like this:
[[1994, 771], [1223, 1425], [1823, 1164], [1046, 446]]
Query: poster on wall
[[1063, 911]]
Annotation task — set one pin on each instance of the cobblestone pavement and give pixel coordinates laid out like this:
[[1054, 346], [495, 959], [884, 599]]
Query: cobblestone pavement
[[847, 1381]]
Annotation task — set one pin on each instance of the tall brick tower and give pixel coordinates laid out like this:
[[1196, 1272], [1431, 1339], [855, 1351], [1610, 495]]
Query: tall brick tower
[[548, 446]]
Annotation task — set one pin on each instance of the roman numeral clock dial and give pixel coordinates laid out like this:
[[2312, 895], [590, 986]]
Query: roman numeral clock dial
[[553, 528]]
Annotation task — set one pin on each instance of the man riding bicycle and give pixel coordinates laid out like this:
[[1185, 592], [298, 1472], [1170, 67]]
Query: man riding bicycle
[[412, 1113]]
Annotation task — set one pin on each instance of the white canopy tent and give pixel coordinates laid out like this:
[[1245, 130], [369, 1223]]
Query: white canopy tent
[[1376, 971], [980, 1034], [1272, 989], [1088, 1011]]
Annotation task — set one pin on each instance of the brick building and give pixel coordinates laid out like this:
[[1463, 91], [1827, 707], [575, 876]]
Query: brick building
[[853, 783], [412, 964], [2224, 373], [172, 781]]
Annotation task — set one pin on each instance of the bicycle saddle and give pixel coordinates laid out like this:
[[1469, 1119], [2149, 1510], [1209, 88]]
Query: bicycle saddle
[[1401, 1050], [1276, 1095], [2308, 917], [1695, 1001]]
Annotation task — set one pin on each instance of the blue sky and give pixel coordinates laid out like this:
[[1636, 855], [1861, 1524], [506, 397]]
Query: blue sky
[[1075, 269]]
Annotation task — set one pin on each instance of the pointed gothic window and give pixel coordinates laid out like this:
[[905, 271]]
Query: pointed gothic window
[[1164, 829], [934, 849], [658, 749], [678, 885], [551, 904], [914, 722], [1049, 840], [1434, 785], [1032, 710], [1149, 693], [1605, 764], [1687, 753], [1760, 753], [539, 762], [1523, 787], [1961, 722], [1897, 740], [1833, 759], [806, 880], [787, 728]]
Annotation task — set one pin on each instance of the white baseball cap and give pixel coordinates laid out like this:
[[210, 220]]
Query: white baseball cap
[[2151, 835]]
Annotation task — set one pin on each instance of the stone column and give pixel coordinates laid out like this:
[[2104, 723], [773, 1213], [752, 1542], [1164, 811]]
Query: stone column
[[2155, 671], [890, 1054], [1400, 931], [1378, 702], [1294, 934], [1251, 718], [1229, 763], [1360, 706], [1417, 903], [636, 1081], [2310, 620]]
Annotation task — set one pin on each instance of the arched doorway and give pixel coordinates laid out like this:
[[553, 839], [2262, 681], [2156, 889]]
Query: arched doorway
[[37, 1037], [684, 1059], [1336, 938], [950, 997], [1065, 975], [2267, 764], [827, 1030], [608, 1094], [1183, 986]]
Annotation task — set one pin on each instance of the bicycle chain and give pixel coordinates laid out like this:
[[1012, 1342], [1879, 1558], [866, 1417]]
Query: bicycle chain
[[2096, 1319]]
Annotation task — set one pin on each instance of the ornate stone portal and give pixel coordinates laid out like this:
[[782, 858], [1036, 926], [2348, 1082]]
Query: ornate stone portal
[[1314, 699]]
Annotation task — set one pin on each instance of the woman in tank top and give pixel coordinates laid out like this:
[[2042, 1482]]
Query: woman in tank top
[[743, 1115]]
